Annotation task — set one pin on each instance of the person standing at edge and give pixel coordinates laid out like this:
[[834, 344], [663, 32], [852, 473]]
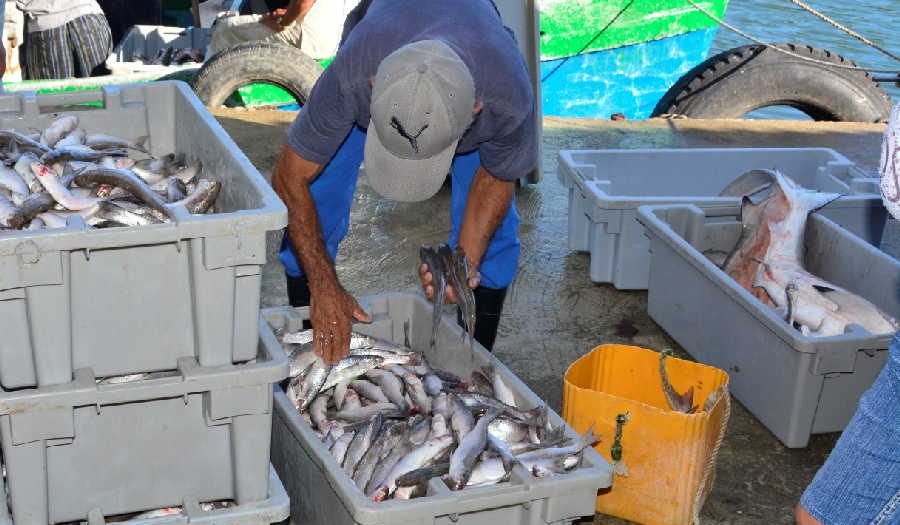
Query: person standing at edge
[[418, 89], [64, 39]]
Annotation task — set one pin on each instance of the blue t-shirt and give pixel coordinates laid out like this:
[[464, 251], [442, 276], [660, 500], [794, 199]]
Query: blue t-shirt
[[503, 133]]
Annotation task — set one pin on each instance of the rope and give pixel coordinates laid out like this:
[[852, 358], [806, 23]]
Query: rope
[[709, 469], [591, 41], [780, 50], [845, 29]]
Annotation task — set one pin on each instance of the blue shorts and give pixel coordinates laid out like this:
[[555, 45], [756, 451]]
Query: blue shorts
[[860, 481], [333, 193]]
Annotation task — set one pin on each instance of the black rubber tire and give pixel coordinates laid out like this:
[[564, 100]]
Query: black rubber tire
[[282, 65], [736, 82]]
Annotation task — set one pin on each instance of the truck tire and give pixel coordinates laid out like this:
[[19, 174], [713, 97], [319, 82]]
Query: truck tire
[[282, 65], [738, 81]]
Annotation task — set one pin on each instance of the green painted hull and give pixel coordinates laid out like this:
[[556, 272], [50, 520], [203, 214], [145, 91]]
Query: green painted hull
[[564, 31]]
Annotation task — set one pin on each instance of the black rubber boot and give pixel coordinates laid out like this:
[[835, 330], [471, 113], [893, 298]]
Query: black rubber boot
[[298, 294], [488, 307]]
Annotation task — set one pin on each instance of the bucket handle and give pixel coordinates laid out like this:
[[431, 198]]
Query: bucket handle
[[709, 470]]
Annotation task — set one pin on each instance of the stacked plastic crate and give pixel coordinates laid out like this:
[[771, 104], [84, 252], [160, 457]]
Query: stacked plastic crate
[[86, 315]]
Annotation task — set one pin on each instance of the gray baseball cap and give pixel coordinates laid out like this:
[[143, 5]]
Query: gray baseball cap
[[422, 103]]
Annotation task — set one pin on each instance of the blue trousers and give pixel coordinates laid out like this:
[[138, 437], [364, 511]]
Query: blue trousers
[[859, 484], [333, 193]]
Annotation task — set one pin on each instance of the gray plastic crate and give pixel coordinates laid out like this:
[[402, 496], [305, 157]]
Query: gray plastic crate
[[274, 509], [795, 385], [144, 42], [84, 449], [75, 297], [607, 186], [321, 493]]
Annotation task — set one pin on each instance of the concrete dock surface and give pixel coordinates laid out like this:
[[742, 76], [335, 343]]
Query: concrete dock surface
[[554, 313]]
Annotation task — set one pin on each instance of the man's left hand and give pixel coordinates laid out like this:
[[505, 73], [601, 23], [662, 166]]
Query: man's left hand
[[449, 293]]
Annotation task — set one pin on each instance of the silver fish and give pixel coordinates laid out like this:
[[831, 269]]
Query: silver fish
[[339, 449], [481, 402], [463, 459], [367, 412], [369, 390], [385, 442], [10, 216], [77, 153], [11, 180], [101, 141], [461, 419], [419, 457], [350, 368], [391, 385], [49, 179], [58, 129], [433, 384], [351, 400], [430, 258], [24, 141], [338, 394], [126, 180], [300, 357], [23, 169], [501, 391], [361, 444], [313, 382], [300, 338], [202, 198], [387, 463], [75, 138]]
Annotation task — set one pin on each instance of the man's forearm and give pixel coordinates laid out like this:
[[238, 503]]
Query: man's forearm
[[296, 10], [291, 180], [488, 203]]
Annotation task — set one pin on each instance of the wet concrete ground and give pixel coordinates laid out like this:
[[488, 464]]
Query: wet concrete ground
[[554, 313]]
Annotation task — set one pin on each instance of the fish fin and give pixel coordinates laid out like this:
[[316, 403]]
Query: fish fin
[[589, 438], [537, 415]]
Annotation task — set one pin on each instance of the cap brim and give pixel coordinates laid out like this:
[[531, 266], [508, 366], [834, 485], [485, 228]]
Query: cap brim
[[405, 180]]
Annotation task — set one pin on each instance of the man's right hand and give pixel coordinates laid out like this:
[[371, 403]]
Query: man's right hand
[[271, 20], [332, 309], [332, 313]]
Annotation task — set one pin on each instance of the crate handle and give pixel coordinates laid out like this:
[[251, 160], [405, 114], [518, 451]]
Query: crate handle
[[109, 97]]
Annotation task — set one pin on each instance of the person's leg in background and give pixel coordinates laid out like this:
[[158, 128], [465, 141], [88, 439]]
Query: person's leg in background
[[47, 55], [860, 481], [90, 41], [333, 194], [498, 267]]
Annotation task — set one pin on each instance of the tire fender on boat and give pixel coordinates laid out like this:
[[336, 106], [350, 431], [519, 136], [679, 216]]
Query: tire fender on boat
[[740, 80]]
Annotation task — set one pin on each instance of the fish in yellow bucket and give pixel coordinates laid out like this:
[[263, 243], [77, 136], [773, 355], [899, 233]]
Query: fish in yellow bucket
[[661, 421]]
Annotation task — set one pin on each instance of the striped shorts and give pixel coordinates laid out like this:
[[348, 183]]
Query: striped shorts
[[77, 49]]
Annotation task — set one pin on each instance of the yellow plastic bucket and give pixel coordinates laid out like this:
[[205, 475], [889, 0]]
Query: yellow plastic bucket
[[669, 456]]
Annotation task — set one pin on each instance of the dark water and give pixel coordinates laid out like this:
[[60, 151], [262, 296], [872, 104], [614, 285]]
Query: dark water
[[782, 21]]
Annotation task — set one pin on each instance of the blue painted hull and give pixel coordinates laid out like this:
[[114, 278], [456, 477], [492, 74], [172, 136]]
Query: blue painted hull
[[629, 79]]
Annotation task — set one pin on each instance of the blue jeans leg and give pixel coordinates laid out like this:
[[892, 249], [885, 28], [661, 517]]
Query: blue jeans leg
[[498, 267], [333, 193], [860, 481]]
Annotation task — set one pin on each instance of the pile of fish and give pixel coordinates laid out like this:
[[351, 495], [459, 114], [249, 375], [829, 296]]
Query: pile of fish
[[108, 181], [449, 266], [168, 55], [393, 422], [767, 259]]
